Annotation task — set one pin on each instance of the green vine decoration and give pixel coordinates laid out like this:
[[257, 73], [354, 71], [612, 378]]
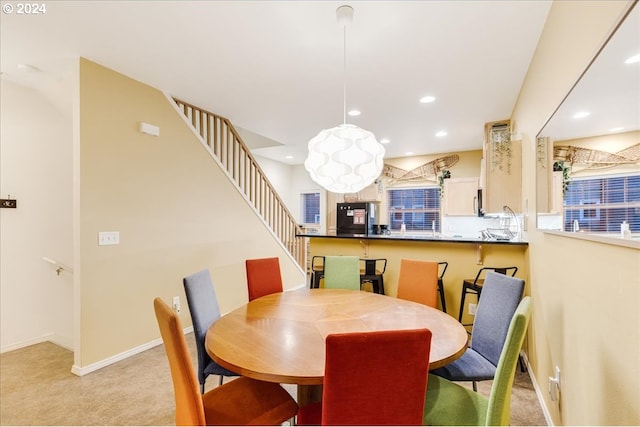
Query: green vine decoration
[[560, 166], [444, 174], [541, 151], [500, 139]]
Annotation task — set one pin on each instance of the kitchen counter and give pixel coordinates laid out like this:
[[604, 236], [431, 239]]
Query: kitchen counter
[[465, 256], [418, 238]]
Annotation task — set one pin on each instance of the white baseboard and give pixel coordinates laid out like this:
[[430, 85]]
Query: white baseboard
[[543, 405], [80, 371], [27, 343]]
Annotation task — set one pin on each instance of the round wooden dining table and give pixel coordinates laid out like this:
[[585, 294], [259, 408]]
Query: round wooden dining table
[[281, 337]]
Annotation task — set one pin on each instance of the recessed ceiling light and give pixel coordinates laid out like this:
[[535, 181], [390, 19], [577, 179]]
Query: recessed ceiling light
[[354, 113], [409, 153], [581, 114], [427, 99], [441, 133], [618, 129], [633, 60], [385, 141], [289, 157]]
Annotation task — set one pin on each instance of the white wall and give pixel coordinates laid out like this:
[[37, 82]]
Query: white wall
[[291, 181], [36, 169]]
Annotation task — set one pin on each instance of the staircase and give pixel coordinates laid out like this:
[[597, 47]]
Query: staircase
[[234, 156]]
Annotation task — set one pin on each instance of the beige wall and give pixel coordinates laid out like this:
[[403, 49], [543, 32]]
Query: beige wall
[[468, 164], [175, 210], [585, 294]]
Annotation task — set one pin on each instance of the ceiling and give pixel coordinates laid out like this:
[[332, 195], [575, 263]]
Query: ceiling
[[275, 68], [608, 92]]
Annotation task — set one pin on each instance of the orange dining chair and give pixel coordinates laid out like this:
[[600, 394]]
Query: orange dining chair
[[263, 277], [418, 281], [242, 401], [357, 391]]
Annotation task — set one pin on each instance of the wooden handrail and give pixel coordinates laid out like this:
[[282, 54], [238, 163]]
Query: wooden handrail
[[227, 146]]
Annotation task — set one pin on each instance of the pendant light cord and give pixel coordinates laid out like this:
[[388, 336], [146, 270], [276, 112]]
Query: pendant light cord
[[344, 76]]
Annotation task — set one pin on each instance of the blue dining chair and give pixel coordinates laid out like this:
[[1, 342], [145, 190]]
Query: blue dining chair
[[500, 297], [204, 310], [448, 403]]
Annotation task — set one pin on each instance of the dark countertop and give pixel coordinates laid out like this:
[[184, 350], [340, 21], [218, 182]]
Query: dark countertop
[[418, 238]]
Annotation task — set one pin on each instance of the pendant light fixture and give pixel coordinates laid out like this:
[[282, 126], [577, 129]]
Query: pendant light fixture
[[345, 158]]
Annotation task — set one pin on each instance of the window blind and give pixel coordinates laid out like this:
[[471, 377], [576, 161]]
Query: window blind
[[310, 208], [601, 204], [417, 208]]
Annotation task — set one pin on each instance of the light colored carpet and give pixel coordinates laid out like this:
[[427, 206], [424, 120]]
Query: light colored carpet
[[37, 388]]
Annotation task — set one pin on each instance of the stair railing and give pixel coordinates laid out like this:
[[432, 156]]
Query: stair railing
[[227, 146]]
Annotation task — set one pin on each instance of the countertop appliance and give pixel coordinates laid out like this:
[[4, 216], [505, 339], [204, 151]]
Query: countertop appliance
[[356, 218]]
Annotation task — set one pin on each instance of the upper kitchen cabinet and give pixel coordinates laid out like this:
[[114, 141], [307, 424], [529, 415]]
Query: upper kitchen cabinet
[[460, 196], [502, 168]]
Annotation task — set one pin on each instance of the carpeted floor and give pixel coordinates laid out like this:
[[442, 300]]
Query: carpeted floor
[[37, 388]]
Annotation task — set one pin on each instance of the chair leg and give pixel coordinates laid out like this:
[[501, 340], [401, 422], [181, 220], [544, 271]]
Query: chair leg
[[475, 385], [464, 292], [442, 298], [201, 388], [221, 379], [523, 367]]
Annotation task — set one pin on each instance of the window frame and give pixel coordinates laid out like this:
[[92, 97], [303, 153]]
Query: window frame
[[605, 219], [398, 214], [304, 206]]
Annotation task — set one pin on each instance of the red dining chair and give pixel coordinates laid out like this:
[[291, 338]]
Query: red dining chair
[[263, 277], [418, 281], [372, 378], [243, 401]]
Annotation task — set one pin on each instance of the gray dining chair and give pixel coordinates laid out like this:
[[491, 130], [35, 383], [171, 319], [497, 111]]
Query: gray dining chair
[[501, 295], [204, 309]]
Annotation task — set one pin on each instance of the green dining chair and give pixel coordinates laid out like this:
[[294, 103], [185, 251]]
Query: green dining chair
[[448, 403], [342, 272]]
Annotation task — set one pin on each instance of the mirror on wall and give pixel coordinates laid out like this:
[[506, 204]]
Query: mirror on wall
[[588, 153]]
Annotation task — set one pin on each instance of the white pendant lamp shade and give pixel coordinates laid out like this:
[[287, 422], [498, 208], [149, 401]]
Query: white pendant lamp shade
[[344, 159]]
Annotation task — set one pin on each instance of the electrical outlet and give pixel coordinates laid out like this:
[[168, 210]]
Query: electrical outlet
[[554, 385], [176, 304], [472, 309]]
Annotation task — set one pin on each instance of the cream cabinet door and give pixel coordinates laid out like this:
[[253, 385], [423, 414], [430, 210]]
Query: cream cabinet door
[[460, 196]]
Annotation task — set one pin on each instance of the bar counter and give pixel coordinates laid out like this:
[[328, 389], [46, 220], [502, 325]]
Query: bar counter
[[465, 255], [418, 238]]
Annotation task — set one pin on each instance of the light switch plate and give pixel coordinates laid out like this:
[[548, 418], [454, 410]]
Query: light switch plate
[[108, 238]]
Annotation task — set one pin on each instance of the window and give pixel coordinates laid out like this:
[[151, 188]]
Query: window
[[417, 208], [310, 208], [601, 204]]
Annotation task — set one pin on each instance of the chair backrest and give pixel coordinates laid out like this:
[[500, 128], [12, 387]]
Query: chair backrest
[[442, 269], [500, 297], [507, 271], [418, 281], [204, 310], [373, 266], [499, 409], [342, 272], [189, 406], [263, 277], [376, 378]]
